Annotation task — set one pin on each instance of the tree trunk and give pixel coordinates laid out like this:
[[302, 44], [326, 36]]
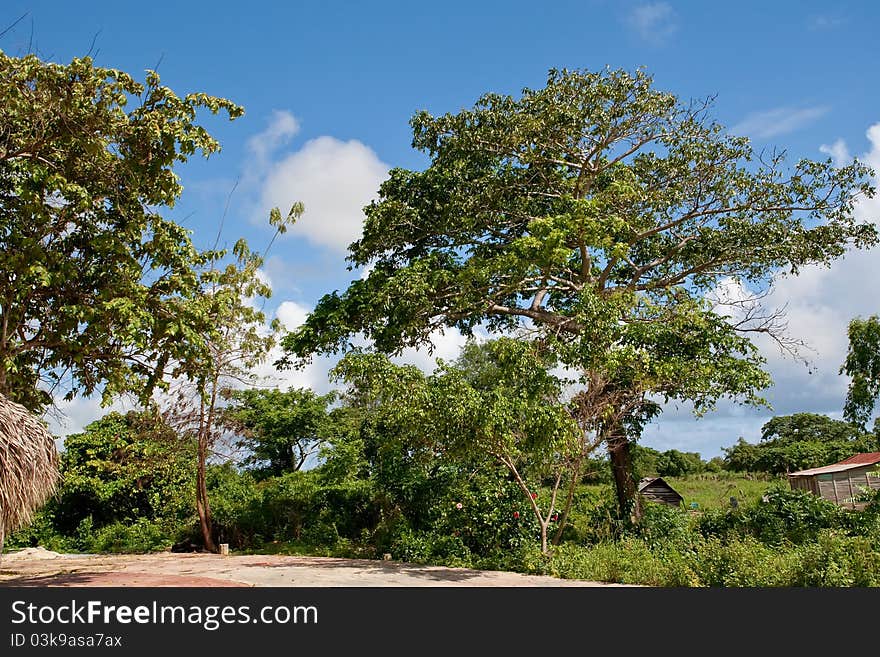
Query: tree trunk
[[202, 505], [621, 466]]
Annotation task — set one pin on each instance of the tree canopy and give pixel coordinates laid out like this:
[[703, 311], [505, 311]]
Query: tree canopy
[[590, 209], [604, 217], [92, 275], [862, 364], [281, 429], [799, 441]]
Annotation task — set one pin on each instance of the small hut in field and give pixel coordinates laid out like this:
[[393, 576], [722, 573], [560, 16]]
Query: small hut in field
[[657, 490], [28, 466], [842, 483]]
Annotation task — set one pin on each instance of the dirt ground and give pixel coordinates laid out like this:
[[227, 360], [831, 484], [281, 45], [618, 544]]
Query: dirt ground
[[38, 567]]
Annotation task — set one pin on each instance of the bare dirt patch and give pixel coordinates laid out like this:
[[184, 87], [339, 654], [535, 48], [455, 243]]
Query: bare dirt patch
[[43, 568]]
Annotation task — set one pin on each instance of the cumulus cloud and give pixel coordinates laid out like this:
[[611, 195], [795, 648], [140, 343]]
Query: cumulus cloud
[[69, 417], [819, 304], [838, 152], [291, 314], [778, 121], [655, 23], [334, 179], [283, 126]]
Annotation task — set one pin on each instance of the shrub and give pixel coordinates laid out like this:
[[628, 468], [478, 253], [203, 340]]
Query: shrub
[[783, 515], [139, 537], [838, 560]]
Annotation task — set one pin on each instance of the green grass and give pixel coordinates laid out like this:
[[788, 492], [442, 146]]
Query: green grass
[[710, 490], [714, 490]]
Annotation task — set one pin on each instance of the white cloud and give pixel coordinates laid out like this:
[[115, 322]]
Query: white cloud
[[838, 152], [291, 314], [334, 179], [778, 121], [444, 344], [819, 302], [281, 129], [72, 416], [315, 375], [656, 22], [283, 273]]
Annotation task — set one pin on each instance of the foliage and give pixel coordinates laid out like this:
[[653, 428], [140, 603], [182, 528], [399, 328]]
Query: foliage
[[796, 442], [234, 340], [93, 276], [280, 429], [669, 463], [603, 216], [673, 463], [833, 560], [862, 364], [791, 539], [783, 515], [122, 468], [140, 536], [237, 516], [296, 507], [500, 403]]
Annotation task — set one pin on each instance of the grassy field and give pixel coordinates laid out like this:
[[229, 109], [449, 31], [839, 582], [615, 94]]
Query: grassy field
[[714, 490], [711, 490]]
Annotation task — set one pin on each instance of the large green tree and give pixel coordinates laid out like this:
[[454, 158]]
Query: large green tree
[[600, 215], [799, 441], [862, 364], [92, 275], [280, 428]]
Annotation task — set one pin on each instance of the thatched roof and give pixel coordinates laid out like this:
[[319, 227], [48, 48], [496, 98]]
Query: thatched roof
[[28, 466]]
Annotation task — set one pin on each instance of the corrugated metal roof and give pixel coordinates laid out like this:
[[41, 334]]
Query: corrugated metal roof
[[868, 458], [857, 461]]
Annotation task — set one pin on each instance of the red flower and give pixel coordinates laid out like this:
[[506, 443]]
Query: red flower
[[534, 496], [516, 514], [554, 517]]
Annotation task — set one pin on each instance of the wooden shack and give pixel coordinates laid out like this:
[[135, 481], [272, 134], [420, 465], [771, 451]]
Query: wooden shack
[[657, 490], [843, 482]]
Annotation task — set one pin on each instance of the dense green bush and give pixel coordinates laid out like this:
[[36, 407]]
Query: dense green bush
[[236, 508], [832, 560], [141, 536], [794, 516], [297, 506], [122, 468]]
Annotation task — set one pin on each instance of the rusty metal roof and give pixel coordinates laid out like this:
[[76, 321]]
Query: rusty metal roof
[[857, 461]]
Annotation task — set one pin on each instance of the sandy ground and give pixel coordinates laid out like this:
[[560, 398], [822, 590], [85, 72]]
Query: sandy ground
[[37, 567]]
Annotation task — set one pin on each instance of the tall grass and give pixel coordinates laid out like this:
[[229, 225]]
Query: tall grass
[[713, 490]]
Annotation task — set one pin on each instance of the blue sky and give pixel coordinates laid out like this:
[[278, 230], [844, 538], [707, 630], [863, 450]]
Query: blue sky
[[328, 89]]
